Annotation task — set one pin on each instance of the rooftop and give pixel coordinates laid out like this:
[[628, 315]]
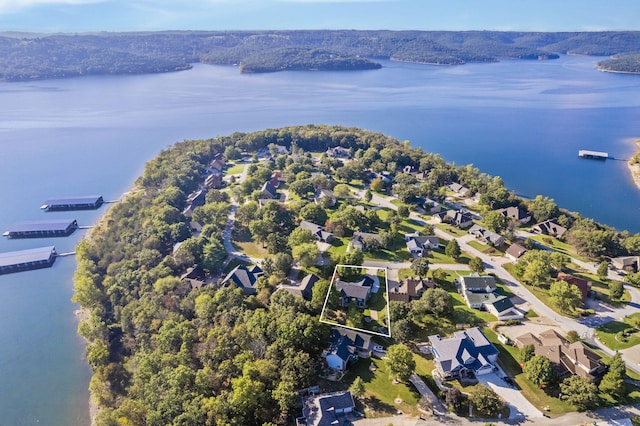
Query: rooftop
[[42, 225], [26, 256]]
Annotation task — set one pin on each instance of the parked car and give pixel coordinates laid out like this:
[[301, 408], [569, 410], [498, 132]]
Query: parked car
[[378, 348]]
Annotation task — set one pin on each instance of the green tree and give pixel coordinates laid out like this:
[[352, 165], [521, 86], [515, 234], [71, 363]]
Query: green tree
[[306, 254], [314, 213], [539, 370], [495, 221], [398, 310], [319, 295], [617, 364], [368, 196], [357, 387], [377, 185], [453, 249], [301, 236], [454, 398], [485, 401], [616, 290], [612, 383], [573, 336], [403, 211], [565, 296], [542, 208], [603, 270], [420, 266], [400, 362], [579, 391], [476, 265], [436, 301], [526, 353], [213, 254], [536, 272]]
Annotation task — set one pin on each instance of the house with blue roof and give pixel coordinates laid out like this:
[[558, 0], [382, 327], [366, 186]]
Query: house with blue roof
[[344, 345], [467, 354]]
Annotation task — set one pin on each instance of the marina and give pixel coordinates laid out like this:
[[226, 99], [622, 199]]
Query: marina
[[25, 260], [42, 229], [73, 203], [594, 155]]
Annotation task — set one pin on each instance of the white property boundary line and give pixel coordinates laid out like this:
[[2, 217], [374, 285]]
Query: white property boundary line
[[326, 299]]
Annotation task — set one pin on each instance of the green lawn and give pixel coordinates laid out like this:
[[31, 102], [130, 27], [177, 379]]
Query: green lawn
[[235, 169], [438, 256], [601, 287], [558, 245], [380, 392], [610, 333], [451, 230], [250, 248]]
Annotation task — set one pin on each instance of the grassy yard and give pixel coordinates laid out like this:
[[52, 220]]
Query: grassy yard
[[251, 248], [235, 169], [380, 392], [559, 246], [601, 287], [438, 256], [485, 248], [451, 230], [610, 333], [233, 263]]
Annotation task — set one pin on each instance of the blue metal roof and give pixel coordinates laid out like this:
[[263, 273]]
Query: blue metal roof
[[42, 225], [25, 256]]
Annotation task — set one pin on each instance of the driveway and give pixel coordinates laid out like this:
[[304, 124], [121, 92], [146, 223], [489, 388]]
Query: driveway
[[520, 407]]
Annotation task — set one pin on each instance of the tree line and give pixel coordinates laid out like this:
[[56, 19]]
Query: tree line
[[63, 55]]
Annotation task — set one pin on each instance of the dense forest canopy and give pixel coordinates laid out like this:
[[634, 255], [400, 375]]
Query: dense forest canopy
[[65, 55], [166, 353], [622, 63]]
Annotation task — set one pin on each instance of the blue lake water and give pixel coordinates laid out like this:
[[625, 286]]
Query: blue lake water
[[524, 121]]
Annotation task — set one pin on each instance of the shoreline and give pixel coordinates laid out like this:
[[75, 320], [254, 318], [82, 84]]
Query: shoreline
[[617, 72], [83, 314], [634, 164]]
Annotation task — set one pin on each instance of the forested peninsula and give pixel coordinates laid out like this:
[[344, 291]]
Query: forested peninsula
[[171, 346], [629, 64], [36, 56]]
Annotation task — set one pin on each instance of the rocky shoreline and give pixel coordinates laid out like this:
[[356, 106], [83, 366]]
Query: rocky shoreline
[[634, 164]]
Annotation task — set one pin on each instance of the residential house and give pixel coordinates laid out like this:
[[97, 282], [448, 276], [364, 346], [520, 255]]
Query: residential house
[[214, 181], [431, 206], [486, 236], [460, 190], [195, 276], [269, 192], [278, 176], [459, 218], [362, 240], [280, 149], [357, 292], [466, 354], [409, 169], [318, 231], [384, 177], [515, 252], [344, 345], [568, 358], [410, 289], [480, 292], [419, 245], [516, 213], [217, 166], [305, 288], [194, 200], [338, 152], [326, 409], [549, 227], [626, 263], [583, 285], [323, 196], [244, 277]]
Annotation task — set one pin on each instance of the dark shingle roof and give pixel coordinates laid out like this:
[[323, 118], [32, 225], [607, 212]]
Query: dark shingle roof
[[43, 225], [26, 256]]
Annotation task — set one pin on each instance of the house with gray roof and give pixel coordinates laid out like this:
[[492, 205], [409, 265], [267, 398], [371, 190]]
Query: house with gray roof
[[305, 288], [323, 196], [480, 292], [516, 213], [461, 190], [357, 292], [419, 245], [362, 240], [327, 409], [466, 354], [318, 231], [515, 252], [269, 192], [549, 227], [486, 236], [244, 277]]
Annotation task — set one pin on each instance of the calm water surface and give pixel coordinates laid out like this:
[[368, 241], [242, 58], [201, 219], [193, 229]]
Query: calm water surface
[[524, 121]]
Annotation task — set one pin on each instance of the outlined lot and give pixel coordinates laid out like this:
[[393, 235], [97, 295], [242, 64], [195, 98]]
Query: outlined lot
[[360, 303]]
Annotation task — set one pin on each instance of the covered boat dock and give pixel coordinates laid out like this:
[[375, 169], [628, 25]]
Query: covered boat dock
[[42, 228], [25, 260], [73, 203]]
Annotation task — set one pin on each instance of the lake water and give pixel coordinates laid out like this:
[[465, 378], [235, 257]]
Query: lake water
[[524, 121]]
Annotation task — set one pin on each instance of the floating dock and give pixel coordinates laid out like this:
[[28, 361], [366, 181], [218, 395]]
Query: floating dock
[[596, 155], [25, 260], [42, 229], [73, 203]]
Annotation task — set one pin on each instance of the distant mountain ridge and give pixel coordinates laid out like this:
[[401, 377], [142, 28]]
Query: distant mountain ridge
[[33, 57]]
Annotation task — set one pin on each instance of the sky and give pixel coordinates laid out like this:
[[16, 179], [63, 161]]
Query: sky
[[151, 15]]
